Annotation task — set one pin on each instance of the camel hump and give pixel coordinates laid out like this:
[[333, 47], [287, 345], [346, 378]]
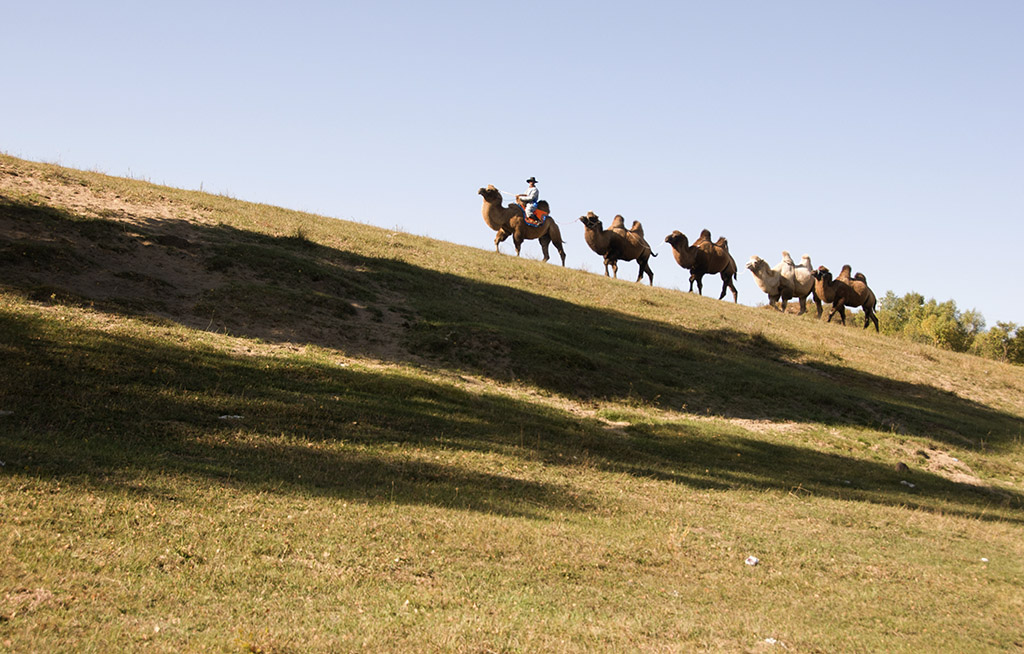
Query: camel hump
[[637, 228], [788, 259], [705, 235], [618, 226], [722, 242], [861, 278], [805, 261]]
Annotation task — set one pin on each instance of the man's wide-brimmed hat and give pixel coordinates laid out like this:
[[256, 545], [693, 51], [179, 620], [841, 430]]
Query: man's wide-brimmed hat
[[532, 179]]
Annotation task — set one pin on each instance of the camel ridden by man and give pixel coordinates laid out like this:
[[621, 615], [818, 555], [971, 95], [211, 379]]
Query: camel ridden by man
[[528, 201]]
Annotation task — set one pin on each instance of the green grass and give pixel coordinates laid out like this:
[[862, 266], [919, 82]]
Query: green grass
[[231, 427]]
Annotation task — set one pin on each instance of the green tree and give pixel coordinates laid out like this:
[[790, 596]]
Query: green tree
[[1004, 342], [894, 313], [938, 323]]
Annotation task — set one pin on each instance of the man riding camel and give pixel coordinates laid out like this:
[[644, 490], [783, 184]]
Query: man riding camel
[[529, 199]]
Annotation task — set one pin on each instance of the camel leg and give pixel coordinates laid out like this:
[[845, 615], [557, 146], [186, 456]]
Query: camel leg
[[544, 239], [544, 249], [556, 240], [842, 312], [555, 235], [700, 283], [517, 239], [614, 263], [869, 316], [645, 268], [727, 284], [830, 314]]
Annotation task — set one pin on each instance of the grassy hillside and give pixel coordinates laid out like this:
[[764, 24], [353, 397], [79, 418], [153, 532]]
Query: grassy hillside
[[232, 427]]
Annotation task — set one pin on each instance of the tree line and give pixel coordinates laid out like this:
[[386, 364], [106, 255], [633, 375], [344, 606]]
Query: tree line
[[942, 324]]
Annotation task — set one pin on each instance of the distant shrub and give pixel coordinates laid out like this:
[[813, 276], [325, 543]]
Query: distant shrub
[[1004, 342], [933, 322]]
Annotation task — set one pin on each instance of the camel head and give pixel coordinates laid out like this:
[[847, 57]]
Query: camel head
[[490, 194], [677, 239], [822, 274], [591, 221], [757, 265]]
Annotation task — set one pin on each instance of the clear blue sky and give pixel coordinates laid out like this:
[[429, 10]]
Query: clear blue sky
[[884, 134]]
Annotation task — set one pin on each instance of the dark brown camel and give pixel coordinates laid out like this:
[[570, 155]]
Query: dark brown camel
[[704, 257], [617, 244]]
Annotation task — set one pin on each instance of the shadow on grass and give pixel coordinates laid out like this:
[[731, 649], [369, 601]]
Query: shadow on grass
[[100, 407], [289, 289]]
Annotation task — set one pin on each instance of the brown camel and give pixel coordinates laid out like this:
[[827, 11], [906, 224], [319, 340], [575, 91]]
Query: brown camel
[[617, 244], [704, 257], [842, 294], [511, 220]]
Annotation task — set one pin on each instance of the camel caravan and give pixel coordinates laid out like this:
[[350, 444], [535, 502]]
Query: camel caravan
[[785, 281]]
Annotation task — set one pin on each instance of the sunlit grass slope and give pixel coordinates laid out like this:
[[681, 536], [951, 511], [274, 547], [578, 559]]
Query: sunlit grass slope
[[232, 427]]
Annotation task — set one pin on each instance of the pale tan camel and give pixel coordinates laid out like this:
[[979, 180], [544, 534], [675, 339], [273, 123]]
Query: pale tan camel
[[801, 278], [511, 220], [617, 244], [704, 257], [770, 280]]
